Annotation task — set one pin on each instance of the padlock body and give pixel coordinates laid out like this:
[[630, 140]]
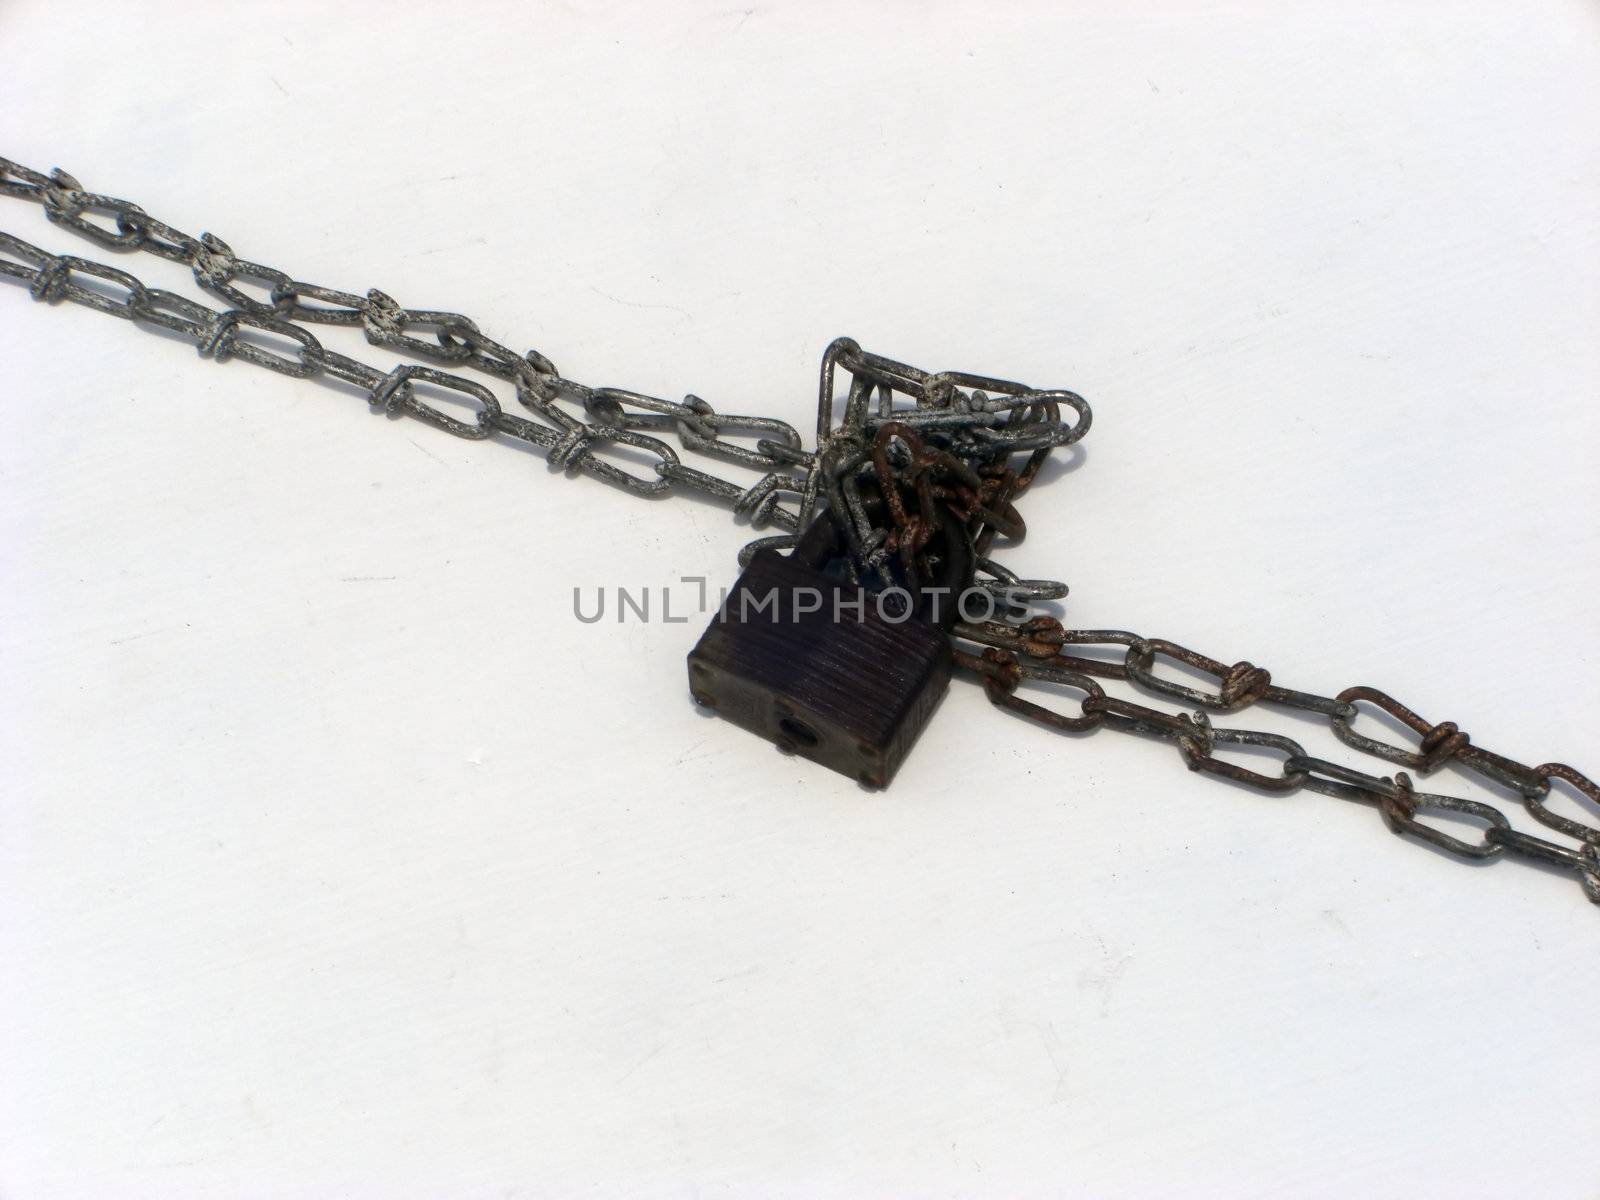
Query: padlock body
[[815, 666]]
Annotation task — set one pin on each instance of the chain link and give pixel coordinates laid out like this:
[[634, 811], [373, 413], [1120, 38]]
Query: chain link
[[1038, 652], [978, 421], [945, 439]]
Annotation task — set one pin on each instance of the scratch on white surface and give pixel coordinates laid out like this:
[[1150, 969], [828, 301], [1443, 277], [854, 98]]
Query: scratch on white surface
[[1052, 1047], [476, 241], [683, 312], [134, 637], [428, 452], [1105, 977], [688, 752], [631, 1071]]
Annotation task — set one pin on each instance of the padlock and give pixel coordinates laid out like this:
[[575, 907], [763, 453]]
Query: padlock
[[824, 669]]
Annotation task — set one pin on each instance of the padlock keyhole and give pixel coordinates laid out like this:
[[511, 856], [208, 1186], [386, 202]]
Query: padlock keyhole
[[797, 732]]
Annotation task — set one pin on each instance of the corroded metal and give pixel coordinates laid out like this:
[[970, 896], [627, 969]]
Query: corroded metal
[[913, 455]]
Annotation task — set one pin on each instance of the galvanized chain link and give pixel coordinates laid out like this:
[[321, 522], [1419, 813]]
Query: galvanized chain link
[[946, 437], [980, 421], [1037, 652]]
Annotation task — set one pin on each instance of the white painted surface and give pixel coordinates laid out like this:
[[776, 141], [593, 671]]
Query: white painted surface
[[339, 860]]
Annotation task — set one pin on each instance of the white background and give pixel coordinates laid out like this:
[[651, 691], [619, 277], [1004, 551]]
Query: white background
[[339, 860]]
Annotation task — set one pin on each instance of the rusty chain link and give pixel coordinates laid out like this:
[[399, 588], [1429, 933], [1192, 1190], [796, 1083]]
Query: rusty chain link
[[1038, 651], [948, 442]]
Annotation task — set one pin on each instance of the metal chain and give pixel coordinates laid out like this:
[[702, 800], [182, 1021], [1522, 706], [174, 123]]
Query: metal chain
[[946, 438], [1036, 652], [981, 422]]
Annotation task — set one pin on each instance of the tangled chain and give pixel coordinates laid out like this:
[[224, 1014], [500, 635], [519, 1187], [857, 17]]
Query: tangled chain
[[947, 440]]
